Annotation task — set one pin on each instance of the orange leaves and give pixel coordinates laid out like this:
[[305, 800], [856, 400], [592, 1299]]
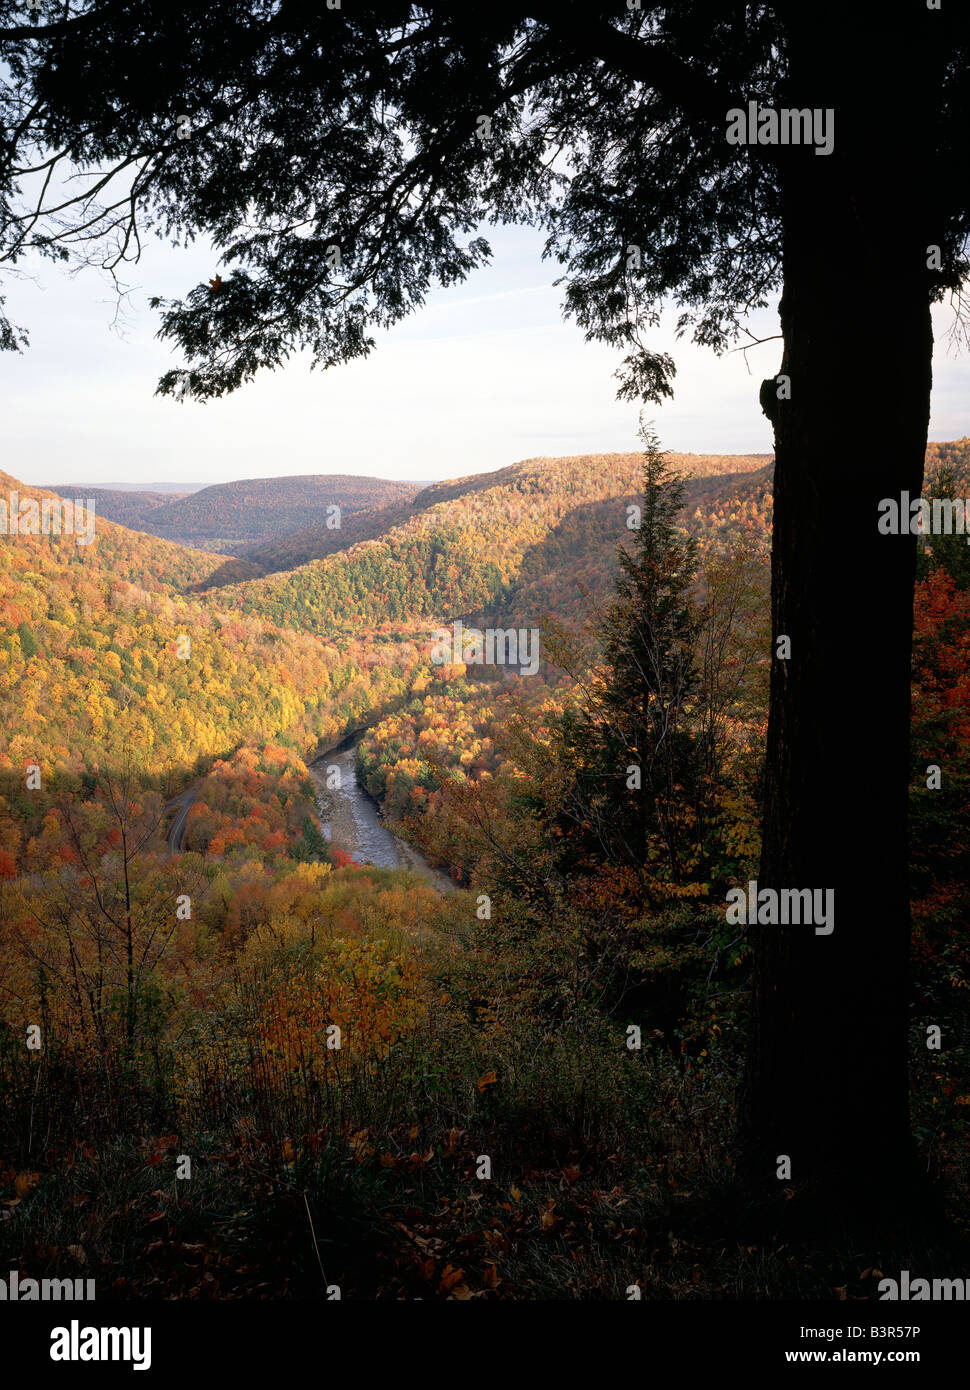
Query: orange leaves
[[450, 1277], [490, 1078], [360, 1146], [420, 1160], [161, 1148], [24, 1183]]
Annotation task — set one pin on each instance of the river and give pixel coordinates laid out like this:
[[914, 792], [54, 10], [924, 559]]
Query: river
[[352, 820]]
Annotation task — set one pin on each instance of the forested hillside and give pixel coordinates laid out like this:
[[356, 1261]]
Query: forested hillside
[[130, 509], [552, 527], [91, 670], [297, 548], [228, 517], [135, 684]]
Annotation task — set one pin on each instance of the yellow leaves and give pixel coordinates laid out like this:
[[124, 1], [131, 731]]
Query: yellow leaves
[[515, 1194], [311, 875], [490, 1078], [547, 1220]]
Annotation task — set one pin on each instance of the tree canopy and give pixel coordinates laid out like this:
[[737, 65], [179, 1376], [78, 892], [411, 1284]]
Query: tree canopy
[[342, 160]]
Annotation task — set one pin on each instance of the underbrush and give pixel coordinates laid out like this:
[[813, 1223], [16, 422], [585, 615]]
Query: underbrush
[[470, 1137]]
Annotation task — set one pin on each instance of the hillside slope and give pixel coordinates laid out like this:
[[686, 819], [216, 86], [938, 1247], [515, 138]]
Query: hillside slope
[[297, 548], [228, 517], [126, 506], [95, 668], [464, 546]]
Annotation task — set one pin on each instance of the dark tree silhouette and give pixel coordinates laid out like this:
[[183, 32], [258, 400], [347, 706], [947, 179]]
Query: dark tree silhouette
[[343, 159], [634, 743]]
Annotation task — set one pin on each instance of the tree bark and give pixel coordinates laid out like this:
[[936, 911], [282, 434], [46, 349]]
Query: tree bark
[[826, 1074]]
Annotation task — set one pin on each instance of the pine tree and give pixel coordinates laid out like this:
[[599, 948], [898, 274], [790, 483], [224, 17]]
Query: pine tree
[[634, 746]]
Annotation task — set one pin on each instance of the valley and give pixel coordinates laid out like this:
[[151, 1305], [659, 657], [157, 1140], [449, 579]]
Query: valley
[[470, 903]]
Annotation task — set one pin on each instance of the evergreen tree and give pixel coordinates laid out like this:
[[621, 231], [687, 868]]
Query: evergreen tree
[[28, 644], [634, 746]]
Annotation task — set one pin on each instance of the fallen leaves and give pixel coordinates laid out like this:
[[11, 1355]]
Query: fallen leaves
[[24, 1183]]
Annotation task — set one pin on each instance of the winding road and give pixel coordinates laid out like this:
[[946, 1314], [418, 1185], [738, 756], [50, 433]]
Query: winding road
[[177, 832]]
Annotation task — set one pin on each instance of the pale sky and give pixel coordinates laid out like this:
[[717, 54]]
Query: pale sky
[[486, 374]]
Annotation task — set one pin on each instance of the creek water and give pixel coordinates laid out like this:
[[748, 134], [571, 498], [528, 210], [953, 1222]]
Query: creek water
[[352, 819]]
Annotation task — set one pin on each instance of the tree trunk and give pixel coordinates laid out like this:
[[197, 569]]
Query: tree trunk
[[826, 1075]]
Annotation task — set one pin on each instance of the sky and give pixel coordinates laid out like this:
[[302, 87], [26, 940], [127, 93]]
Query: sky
[[486, 374]]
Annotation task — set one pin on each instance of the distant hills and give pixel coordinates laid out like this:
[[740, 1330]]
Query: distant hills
[[228, 518], [541, 533], [129, 507], [265, 526], [117, 552], [313, 543], [95, 666], [182, 489], [535, 538], [93, 629]]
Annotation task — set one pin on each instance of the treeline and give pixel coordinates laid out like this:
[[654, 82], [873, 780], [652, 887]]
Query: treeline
[[231, 516]]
